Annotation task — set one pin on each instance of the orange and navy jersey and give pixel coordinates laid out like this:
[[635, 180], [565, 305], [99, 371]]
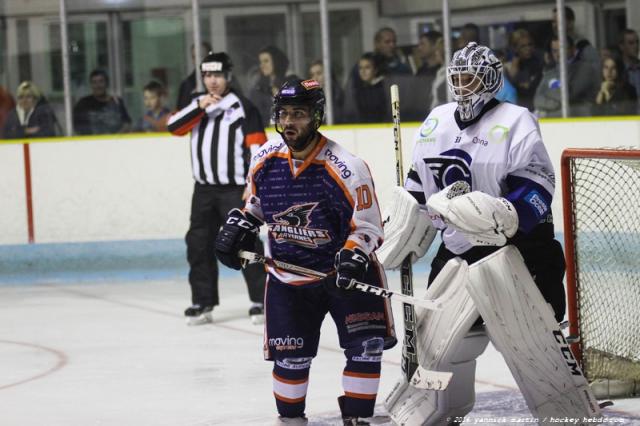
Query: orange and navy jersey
[[223, 138], [313, 208]]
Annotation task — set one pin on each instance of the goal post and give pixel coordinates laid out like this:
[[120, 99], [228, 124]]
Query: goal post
[[601, 209]]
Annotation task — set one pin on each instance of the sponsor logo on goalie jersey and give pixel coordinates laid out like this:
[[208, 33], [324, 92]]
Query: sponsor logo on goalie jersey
[[535, 200], [498, 134], [427, 129], [292, 227], [451, 166]]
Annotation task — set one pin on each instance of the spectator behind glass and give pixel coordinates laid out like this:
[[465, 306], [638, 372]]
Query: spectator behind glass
[[616, 95], [439, 86], [157, 114], [525, 69], [316, 72], [468, 33], [427, 52], [584, 49], [385, 44], [32, 116], [583, 84], [508, 92], [365, 100], [188, 86], [100, 112], [274, 65], [629, 50], [6, 104]]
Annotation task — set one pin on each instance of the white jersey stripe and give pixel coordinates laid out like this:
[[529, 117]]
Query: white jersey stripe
[[217, 141], [206, 150], [223, 149], [238, 160]]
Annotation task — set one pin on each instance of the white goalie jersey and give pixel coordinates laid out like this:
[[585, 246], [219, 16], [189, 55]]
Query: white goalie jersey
[[502, 155]]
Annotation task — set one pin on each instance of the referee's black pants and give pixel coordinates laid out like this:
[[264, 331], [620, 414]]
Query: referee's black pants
[[209, 207]]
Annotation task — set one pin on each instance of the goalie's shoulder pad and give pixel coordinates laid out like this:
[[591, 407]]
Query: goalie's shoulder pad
[[407, 230]]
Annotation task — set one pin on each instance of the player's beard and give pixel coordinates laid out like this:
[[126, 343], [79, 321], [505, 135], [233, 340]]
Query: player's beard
[[298, 141]]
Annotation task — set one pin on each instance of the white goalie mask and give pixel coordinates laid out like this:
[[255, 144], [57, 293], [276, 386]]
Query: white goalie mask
[[474, 77]]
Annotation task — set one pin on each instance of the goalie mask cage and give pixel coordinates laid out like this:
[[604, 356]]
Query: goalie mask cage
[[601, 197]]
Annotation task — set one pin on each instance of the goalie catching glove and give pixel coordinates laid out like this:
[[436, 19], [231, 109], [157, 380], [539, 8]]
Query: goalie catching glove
[[484, 220], [351, 266], [238, 233]]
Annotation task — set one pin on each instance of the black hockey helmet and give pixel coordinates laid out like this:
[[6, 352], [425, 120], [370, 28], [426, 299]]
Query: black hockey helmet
[[301, 92], [217, 62]]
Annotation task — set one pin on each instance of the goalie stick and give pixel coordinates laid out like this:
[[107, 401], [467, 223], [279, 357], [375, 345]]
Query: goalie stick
[[409, 349], [360, 286]]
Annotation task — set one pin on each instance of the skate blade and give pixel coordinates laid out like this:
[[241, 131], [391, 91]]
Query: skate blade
[[199, 320], [257, 319]]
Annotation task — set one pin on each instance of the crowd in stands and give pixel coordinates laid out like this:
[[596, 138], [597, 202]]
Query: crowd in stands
[[600, 82]]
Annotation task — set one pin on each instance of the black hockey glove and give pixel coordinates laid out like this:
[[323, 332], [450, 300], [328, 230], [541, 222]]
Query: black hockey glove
[[351, 265], [238, 233]]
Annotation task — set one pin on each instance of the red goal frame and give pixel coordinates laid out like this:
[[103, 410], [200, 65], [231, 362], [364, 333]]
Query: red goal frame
[[569, 227]]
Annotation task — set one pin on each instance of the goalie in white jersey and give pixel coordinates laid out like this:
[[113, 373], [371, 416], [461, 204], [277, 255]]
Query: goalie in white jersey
[[481, 173], [497, 149]]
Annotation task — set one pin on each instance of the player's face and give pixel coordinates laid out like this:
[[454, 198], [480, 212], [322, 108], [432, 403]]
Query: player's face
[[151, 100], [215, 83], [266, 64], [466, 84], [294, 120]]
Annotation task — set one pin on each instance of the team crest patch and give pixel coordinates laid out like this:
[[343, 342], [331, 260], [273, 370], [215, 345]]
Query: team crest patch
[[310, 84], [292, 226]]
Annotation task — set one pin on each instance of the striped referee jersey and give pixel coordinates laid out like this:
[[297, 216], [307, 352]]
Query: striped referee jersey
[[221, 138]]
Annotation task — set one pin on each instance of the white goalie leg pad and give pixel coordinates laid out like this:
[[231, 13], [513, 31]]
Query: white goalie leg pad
[[407, 230], [523, 328], [444, 344], [411, 406]]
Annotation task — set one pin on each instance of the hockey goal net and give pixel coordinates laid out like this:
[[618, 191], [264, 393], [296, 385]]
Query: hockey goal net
[[601, 197]]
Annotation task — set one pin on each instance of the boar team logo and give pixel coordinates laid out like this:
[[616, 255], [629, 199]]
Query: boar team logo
[[292, 226]]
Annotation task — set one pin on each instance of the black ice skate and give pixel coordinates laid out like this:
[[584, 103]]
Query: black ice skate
[[197, 315], [256, 312], [291, 421], [350, 420]]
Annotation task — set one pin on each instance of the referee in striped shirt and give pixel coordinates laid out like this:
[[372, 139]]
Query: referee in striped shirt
[[226, 129]]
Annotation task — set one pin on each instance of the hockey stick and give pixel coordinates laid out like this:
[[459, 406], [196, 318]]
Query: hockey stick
[[363, 287], [409, 349]]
